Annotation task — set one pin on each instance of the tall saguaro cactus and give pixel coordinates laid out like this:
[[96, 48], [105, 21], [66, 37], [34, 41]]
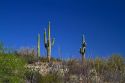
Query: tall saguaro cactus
[[38, 45], [83, 48], [48, 42]]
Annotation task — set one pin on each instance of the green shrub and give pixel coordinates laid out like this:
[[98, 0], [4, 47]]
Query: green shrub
[[11, 69], [34, 77], [51, 78]]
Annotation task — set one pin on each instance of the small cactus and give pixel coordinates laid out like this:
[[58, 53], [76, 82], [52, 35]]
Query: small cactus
[[38, 45], [48, 43], [83, 48]]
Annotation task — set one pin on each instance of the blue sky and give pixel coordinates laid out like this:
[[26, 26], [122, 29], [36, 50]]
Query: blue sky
[[101, 21]]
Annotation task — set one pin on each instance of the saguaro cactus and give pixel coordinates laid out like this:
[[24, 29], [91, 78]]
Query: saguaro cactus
[[83, 48], [38, 45], [48, 42]]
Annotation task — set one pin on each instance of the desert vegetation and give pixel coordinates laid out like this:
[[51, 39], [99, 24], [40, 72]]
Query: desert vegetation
[[13, 70], [26, 65]]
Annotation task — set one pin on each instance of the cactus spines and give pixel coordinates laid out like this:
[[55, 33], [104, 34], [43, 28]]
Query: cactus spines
[[38, 45], [48, 42], [83, 48]]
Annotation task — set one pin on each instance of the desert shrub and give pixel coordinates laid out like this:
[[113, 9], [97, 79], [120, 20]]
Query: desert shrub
[[30, 59], [110, 69], [29, 55], [51, 78], [1, 47], [11, 69], [115, 69], [45, 59], [99, 65], [74, 66], [116, 62], [34, 77]]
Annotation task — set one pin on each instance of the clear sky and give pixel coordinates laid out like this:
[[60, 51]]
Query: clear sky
[[101, 21]]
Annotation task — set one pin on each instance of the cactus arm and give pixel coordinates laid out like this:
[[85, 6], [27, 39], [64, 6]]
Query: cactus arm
[[53, 41], [49, 32], [38, 47], [83, 39], [83, 48], [45, 39], [80, 50]]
